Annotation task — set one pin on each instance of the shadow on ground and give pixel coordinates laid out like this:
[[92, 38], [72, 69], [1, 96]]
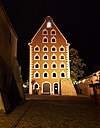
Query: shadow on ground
[[53, 112]]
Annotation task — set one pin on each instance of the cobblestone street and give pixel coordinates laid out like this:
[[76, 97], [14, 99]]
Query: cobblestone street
[[53, 112]]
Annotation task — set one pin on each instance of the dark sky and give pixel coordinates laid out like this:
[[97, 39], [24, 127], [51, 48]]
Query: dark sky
[[78, 20]]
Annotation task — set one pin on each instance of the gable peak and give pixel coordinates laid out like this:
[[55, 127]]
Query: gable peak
[[48, 18]]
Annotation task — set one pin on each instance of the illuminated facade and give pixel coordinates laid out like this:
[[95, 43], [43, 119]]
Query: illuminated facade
[[49, 61], [83, 85]]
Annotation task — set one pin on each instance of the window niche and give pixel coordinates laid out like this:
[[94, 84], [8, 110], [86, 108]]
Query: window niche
[[49, 24], [36, 57], [45, 49], [62, 66], [54, 75], [53, 40], [62, 75], [44, 32], [62, 49], [36, 66], [36, 75], [53, 32], [36, 48], [45, 57], [45, 66], [53, 57], [45, 40], [45, 75], [62, 57], [54, 65], [53, 49]]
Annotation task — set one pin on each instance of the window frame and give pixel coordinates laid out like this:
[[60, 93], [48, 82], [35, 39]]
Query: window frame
[[61, 55], [35, 65], [49, 25], [44, 39], [47, 74], [35, 74], [53, 55], [53, 30], [38, 48], [61, 64], [52, 65], [44, 56], [53, 47], [62, 47], [61, 74], [52, 75], [53, 41], [45, 30], [36, 55], [45, 47], [47, 65]]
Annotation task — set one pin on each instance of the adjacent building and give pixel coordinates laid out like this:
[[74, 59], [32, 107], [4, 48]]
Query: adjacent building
[[49, 71], [83, 85], [11, 91]]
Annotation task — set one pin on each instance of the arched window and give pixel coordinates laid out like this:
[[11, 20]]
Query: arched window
[[62, 57], [36, 57], [53, 57], [54, 75], [49, 24], [62, 49], [45, 57], [36, 86], [45, 49], [36, 65], [54, 65], [53, 49], [45, 66], [36, 48], [53, 40], [45, 40], [62, 75], [62, 65], [53, 32], [45, 32], [36, 74], [45, 74]]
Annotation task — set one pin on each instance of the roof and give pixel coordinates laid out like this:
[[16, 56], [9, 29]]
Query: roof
[[49, 18]]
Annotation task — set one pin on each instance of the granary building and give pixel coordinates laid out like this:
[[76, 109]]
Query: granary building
[[49, 70]]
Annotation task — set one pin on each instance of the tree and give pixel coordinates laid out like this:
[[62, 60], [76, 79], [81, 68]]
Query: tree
[[76, 65]]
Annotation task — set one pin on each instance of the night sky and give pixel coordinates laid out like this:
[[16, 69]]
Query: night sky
[[78, 21]]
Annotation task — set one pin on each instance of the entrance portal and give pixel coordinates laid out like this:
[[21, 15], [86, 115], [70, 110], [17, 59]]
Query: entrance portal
[[46, 88], [56, 88]]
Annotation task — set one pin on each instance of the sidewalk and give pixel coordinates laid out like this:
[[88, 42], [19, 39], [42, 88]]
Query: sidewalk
[[53, 112]]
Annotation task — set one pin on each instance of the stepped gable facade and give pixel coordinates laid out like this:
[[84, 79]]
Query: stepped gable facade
[[49, 70]]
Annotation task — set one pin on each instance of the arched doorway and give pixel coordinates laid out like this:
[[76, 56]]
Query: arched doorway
[[36, 88], [46, 88], [55, 88]]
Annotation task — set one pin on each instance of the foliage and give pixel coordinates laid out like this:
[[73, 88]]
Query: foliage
[[76, 65]]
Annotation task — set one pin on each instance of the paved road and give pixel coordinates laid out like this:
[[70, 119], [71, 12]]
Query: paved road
[[53, 112]]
